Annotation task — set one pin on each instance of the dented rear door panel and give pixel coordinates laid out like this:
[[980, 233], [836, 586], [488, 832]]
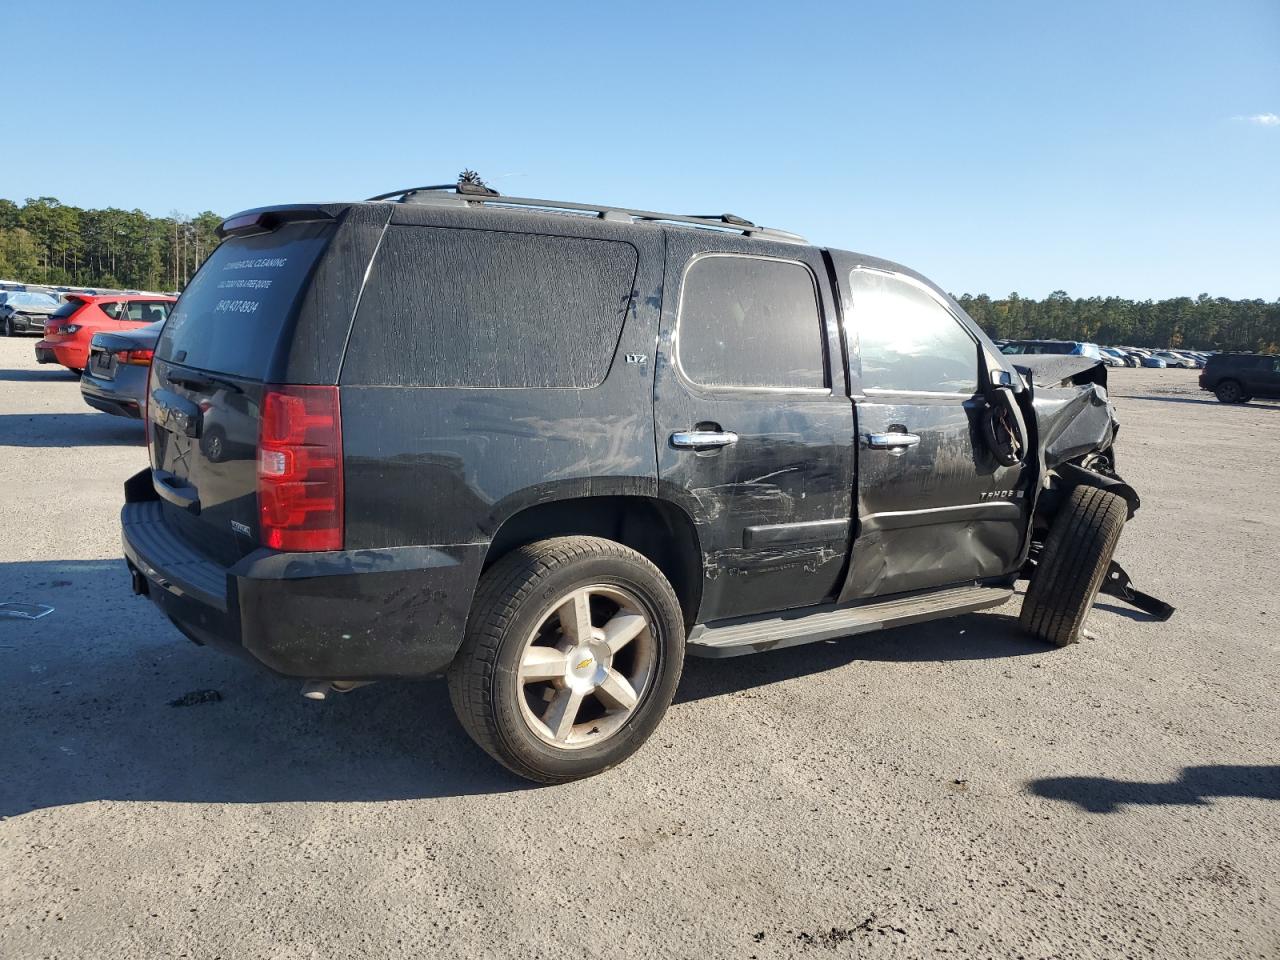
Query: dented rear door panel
[[773, 509]]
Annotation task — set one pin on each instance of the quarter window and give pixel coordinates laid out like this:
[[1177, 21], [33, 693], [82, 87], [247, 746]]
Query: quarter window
[[907, 340], [751, 322], [472, 308]]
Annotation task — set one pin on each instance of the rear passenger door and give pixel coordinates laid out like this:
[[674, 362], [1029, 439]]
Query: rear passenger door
[[934, 507], [754, 427]]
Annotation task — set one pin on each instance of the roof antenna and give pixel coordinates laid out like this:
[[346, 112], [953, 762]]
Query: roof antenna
[[472, 183]]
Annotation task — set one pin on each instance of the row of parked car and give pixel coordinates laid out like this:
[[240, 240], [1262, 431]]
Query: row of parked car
[[108, 339], [1231, 377], [1111, 356]]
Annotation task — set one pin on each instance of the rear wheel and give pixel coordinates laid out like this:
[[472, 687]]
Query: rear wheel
[[573, 651], [1071, 566], [1229, 391]]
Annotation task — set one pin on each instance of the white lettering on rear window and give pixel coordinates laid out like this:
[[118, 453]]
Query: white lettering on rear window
[[272, 262], [250, 284], [236, 306]]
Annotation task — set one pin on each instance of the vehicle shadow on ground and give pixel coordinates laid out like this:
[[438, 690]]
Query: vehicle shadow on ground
[[1195, 786], [58, 375], [1251, 405], [86, 714], [1130, 613], [88, 711], [969, 637], [68, 430]]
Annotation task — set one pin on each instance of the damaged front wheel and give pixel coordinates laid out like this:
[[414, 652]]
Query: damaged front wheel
[[1072, 564]]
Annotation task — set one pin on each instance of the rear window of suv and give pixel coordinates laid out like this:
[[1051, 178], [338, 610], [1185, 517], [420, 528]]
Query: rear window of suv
[[479, 308], [230, 317]]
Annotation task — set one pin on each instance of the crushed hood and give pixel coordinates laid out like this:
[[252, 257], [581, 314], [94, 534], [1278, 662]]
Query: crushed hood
[[1055, 370], [1074, 414]]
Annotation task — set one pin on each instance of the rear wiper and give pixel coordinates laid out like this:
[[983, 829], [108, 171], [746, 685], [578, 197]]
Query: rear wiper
[[200, 381]]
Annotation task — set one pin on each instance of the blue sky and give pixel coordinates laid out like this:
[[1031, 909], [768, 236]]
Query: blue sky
[[1127, 148]]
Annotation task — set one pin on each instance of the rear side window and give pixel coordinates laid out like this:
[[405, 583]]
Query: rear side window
[[750, 322], [230, 317], [907, 340], [478, 308], [146, 311], [112, 309]]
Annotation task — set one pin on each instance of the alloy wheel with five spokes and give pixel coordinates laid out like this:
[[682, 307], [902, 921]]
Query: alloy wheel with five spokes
[[585, 666], [573, 652]]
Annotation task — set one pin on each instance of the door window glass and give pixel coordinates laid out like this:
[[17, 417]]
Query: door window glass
[[751, 322], [906, 339]]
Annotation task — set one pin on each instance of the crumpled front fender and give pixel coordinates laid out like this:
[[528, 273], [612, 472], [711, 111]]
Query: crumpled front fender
[[1074, 421]]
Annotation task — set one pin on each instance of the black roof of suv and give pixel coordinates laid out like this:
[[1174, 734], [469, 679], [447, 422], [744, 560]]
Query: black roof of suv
[[550, 447]]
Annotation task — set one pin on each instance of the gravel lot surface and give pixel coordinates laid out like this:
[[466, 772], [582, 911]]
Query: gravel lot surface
[[949, 788]]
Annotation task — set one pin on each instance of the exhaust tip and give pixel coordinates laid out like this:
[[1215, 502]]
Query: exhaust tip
[[320, 689]]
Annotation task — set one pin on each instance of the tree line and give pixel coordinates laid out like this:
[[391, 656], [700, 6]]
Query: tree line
[[1202, 323], [45, 241]]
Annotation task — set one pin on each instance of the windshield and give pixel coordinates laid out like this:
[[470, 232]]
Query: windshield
[[21, 299]]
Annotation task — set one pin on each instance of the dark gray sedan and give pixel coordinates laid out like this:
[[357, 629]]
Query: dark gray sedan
[[115, 378], [25, 311]]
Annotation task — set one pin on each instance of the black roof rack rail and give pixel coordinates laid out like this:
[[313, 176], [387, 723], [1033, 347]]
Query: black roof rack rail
[[725, 221]]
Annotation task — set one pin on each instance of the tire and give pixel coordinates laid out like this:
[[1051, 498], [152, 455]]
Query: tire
[[1229, 391], [1074, 560], [214, 444], [521, 605]]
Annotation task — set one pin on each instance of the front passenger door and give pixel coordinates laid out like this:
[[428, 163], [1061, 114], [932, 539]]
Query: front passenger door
[[934, 507]]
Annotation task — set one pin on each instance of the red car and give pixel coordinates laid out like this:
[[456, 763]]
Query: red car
[[67, 333]]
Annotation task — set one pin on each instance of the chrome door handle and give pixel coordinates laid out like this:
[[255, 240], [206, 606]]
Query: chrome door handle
[[892, 441], [703, 438]]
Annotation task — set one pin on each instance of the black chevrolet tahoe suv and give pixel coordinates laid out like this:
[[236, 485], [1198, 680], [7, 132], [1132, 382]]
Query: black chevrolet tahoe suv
[[549, 449], [1239, 377]]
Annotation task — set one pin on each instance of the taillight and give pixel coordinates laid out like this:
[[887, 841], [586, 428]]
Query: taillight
[[136, 358], [300, 469], [146, 417]]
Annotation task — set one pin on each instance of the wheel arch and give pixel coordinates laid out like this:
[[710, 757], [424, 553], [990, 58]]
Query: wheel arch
[[655, 528]]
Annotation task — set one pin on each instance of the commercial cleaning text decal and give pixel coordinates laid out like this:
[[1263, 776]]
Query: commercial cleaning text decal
[[247, 306]]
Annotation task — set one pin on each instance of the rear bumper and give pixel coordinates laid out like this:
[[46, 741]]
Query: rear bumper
[[348, 614], [69, 355], [106, 395]]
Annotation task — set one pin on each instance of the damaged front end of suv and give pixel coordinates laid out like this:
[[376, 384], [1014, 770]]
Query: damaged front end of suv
[[1081, 501]]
